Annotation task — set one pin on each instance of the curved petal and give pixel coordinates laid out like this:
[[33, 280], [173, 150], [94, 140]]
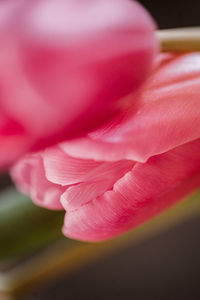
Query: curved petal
[[29, 176], [166, 115], [21, 173], [141, 193], [96, 183], [63, 169]]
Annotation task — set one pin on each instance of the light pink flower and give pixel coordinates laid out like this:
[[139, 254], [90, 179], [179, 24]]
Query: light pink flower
[[29, 175], [137, 165], [64, 66]]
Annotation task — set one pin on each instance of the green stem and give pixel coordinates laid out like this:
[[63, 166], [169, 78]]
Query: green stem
[[25, 227]]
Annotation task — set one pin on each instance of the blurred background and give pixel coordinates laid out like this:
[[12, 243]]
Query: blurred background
[[159, 261]]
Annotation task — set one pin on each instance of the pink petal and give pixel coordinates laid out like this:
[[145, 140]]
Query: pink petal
[[22, 171], [29, 175], [8, 10], [63, 169], [96, 182], [65, 66], [88, 178], [166, 115], [11, 149], [14, 141], [141, 193]]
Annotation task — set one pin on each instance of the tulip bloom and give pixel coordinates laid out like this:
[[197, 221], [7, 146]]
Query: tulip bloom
[[65, 65], [132, 168]]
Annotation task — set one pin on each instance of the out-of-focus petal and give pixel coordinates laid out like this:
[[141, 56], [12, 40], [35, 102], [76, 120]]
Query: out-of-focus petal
[[141, 193], [29, 176], [166, 115], [22, 172], [8, 9], [65, 65], [14, 141]]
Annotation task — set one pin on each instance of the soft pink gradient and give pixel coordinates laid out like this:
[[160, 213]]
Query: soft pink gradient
[[132, 168], [65, 65], [166, 114], [29, 175]]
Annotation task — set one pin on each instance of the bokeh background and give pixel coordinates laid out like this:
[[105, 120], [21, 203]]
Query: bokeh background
[[163, 266]]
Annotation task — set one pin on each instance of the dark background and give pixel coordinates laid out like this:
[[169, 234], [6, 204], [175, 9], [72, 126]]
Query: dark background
[[174, 13], [164, 267]]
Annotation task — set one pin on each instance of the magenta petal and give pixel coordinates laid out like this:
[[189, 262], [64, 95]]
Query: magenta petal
[[166, 115], [141, 193]]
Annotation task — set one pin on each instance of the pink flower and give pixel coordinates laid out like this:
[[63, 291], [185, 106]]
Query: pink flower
[[29, 175], [134, 167], [64, 66]]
